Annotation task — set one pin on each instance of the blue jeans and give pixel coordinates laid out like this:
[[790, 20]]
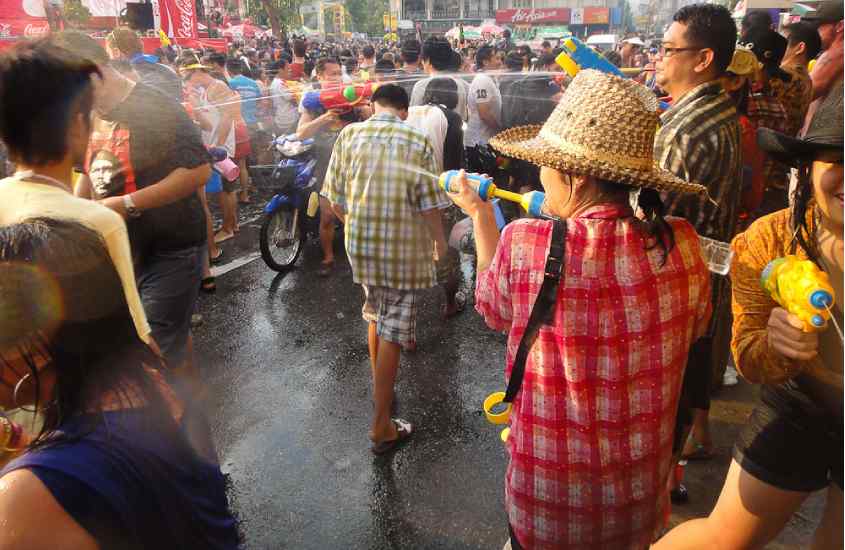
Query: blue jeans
[[168, 282]]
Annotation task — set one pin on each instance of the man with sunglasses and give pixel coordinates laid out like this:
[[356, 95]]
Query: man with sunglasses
[[699, 140]]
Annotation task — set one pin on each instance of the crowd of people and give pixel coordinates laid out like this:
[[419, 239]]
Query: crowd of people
[[617, 331]]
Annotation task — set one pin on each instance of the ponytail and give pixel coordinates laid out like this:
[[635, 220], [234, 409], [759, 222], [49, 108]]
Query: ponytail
[[656, 226]]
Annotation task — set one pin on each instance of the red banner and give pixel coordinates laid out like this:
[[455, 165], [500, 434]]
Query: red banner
[[596, 16], [176, 18], [529, 16]]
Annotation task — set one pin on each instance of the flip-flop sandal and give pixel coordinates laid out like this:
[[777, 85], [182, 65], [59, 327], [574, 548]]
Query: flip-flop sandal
[[404, 429], [208, 285], [700, 453], [223, 237], [214, 260]]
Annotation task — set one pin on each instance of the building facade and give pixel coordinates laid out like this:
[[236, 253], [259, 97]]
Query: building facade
[[577, 16]]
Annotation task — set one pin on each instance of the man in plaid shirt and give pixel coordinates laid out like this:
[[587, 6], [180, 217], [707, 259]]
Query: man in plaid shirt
[[699, 141], [377, 187]]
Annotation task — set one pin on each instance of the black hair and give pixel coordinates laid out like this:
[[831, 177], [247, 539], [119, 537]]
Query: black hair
[[368, 52], [323, 61], [806, 33], [547, 59], [442, 91], [769, 47], [804, 233], [437, 51], [483, 54], [658, 231], [710, 26], [299, 48], [42, 88], [410, 51], [217, 58], [756, 18], [546, 44], [614, 57], [391, 95], [384, 66], [235, 66], [93, 347]]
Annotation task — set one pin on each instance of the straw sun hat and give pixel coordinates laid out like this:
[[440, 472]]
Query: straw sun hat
[[604, 126]]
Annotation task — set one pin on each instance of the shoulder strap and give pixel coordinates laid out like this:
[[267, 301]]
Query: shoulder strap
[[544, 307]]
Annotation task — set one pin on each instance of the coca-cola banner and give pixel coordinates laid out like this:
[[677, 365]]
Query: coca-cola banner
[[22, 19], [525, 16], [175, 17]]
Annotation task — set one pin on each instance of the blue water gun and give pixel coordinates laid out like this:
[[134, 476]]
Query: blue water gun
[[577, 56]]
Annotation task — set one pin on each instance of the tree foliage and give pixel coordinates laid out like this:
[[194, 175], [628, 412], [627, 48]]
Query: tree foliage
[[367, 15]]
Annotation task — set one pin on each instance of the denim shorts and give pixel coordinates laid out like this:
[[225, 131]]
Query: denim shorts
[[168, 282]]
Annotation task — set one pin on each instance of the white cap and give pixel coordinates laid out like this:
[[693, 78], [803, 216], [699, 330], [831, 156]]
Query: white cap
[[635, 41]]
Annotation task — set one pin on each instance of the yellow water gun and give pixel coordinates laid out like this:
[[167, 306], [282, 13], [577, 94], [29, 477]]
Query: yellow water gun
[[801, 288]]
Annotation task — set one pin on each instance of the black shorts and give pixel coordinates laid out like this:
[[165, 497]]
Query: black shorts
[[790, 443]]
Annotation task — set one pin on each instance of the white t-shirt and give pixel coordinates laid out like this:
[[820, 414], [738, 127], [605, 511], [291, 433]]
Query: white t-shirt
[[482, 90], [418, 93], [432, 122], [21, 200], [285, 109]]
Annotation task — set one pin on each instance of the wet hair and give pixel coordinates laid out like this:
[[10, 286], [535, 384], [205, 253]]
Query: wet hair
[[299, 48], [391, 95], [806, 33], [42, 88], [437, 51], [659, 232], [514, 61], [90, 342], [710, 26], [804, 234], [441, 91], [320, 67], [483, 54], [546, 44], [368, 52]]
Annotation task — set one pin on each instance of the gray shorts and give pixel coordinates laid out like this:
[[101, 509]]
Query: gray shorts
[[168, 283], [393, 311]]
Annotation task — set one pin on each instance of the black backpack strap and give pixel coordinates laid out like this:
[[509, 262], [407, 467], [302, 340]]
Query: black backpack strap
[[544, 307]]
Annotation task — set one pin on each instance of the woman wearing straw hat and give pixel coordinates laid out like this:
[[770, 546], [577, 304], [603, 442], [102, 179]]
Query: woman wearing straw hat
[[592, 420]]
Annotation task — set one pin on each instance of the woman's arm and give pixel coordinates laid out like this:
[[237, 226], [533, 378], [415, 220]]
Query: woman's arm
[[26, 507], [767, 344]]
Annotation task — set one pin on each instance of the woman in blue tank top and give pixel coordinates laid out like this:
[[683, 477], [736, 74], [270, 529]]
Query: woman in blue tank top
[[121, 460]]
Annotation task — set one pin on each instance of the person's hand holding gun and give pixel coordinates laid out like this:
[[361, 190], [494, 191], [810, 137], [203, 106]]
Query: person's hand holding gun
[[787, 339]]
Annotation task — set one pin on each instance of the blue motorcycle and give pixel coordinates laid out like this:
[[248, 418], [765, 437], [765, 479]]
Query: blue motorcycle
[[292, 213]]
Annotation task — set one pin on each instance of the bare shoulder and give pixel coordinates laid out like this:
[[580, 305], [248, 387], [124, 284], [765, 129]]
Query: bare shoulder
[[26, 506]]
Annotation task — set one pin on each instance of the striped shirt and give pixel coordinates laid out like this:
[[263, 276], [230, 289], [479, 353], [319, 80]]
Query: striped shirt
[[699, 141], [372, 175]]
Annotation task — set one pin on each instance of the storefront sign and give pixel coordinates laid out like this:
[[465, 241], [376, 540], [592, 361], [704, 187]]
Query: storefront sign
[[531, 16], [596, 16]]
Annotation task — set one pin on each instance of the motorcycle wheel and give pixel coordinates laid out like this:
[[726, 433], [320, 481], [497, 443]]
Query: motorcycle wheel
[[281, 239]]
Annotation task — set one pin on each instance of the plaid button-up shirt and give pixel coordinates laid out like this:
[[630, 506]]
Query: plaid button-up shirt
[[591, 428], [373, 174], [699, 141]]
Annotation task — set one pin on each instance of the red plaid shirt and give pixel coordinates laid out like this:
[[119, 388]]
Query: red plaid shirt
[[591, 429]]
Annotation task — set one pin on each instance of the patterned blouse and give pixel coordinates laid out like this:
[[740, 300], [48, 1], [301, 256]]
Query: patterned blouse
[[377, 174], [591, 428]]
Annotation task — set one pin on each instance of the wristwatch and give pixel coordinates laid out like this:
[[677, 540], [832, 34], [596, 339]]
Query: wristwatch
[[131, 210]]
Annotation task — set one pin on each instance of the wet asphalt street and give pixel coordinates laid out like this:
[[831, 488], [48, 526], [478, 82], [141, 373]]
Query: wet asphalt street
[[285, 358]]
